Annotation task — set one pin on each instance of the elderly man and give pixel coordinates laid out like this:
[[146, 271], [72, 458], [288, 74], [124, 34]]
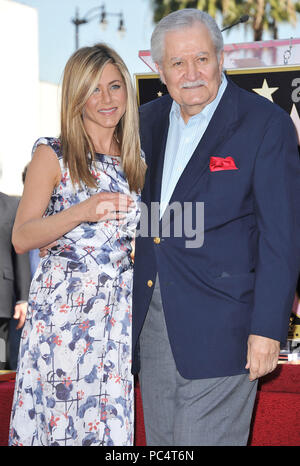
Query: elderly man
[[208, 317]]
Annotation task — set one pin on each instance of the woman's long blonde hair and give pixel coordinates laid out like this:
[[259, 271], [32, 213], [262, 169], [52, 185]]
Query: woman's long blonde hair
[[81, 76]]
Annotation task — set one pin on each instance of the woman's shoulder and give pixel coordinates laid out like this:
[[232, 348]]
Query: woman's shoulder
[[52, 142]]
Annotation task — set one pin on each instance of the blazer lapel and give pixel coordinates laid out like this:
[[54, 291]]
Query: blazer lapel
[[160, 134]]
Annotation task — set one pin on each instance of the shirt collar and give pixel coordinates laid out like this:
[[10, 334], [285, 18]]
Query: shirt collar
[[208, 110]]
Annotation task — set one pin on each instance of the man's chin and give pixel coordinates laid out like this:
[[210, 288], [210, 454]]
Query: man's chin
[[194, 104]]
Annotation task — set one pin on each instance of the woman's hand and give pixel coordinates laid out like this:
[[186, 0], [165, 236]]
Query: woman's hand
[[98, 208], [105, 206]]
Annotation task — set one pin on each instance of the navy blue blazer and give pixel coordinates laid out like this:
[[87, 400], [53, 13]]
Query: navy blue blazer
[[243, 278]]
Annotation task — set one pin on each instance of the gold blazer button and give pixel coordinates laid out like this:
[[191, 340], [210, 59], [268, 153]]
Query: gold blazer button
[[150, 283], [156, 240]]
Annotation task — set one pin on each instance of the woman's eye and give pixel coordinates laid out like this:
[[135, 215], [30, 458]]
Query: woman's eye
[[96, 90], [115, 86]]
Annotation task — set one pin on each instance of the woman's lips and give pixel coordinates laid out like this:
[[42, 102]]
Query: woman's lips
[[107, 111]]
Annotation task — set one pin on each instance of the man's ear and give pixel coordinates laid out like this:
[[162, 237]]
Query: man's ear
[[161, 73]]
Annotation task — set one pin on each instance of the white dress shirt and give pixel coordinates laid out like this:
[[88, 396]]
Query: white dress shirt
[[181, 143]]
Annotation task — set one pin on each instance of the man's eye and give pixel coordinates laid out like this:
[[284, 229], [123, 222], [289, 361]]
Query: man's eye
[[177, 63]]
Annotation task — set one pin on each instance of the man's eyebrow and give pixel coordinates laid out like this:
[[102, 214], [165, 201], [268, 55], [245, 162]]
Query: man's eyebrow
[[182, 58], [176, 58]]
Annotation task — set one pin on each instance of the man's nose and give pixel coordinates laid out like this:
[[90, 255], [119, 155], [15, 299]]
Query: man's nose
[[191, 71]]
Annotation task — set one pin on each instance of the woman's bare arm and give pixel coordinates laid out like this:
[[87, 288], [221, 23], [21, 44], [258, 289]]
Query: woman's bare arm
[[31, 230]]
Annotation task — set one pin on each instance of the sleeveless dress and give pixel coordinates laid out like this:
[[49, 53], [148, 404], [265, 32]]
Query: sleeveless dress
[[74, 384]]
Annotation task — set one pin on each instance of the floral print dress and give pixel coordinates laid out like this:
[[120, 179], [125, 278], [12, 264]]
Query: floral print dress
[[74, 384]]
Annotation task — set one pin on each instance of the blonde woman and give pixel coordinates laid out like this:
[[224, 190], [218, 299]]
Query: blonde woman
[[74, 384]]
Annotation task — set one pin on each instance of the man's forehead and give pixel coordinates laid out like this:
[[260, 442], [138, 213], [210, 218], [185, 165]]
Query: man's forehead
[[194, 40], [187, 31]]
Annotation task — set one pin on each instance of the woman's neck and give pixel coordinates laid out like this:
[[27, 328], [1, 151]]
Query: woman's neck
[[107, 147], [105, 142]]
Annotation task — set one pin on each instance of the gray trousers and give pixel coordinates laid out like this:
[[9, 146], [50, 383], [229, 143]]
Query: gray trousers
[[178, 411]]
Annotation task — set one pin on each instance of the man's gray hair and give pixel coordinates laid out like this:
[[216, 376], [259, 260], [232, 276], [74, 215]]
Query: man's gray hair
[[186, 18]]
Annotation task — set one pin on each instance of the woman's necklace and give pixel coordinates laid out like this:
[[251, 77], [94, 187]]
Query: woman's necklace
[[114, 148]]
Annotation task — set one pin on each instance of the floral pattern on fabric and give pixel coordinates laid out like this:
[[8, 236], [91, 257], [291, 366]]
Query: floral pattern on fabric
[[74, 384]]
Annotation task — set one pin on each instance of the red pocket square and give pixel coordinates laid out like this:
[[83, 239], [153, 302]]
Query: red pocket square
[[220, 163]]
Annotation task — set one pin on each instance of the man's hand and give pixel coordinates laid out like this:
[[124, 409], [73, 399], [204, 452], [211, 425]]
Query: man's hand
[[20, 313], [44, 250], [262, 357]]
